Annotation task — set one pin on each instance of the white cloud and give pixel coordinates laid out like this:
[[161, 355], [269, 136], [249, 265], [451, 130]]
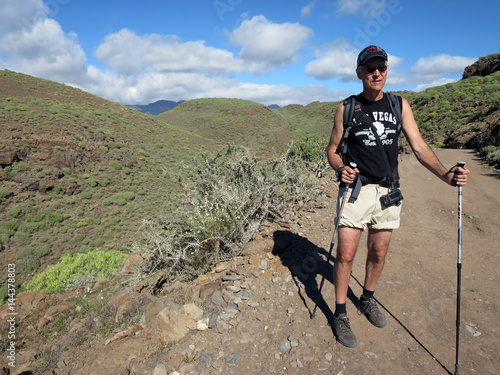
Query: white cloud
[[306, 11], [267, 43], [442, 64], [129, 53], [438, 82], [436, 70], [37, 45], [336, 60], [15, 16], [366, 8]]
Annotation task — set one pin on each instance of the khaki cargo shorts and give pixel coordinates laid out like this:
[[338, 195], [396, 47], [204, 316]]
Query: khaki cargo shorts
[[367, 210]]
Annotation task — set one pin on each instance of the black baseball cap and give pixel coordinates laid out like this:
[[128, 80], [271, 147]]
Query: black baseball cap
[[369, 53]]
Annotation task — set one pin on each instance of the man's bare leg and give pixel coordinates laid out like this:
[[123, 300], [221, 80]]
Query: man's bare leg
[[378, 243], [346, 251]]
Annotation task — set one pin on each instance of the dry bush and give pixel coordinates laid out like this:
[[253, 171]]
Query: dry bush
[[225, 198]]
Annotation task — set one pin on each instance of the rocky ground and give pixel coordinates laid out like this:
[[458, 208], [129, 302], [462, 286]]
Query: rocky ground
[[253, 315]]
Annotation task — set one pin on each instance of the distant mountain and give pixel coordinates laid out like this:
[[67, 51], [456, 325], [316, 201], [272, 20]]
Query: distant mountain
[[157, 107], [166, 105]]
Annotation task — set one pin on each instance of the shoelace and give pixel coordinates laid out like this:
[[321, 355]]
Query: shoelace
[[367, 305], [345, 326]]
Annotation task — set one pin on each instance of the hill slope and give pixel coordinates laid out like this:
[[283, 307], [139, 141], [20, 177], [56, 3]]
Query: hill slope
[[78, 172]]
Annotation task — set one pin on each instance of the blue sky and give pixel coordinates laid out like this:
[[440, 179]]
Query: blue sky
[[271, 52]]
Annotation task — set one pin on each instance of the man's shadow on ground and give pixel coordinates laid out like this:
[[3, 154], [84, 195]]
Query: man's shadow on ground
[[306, 261]]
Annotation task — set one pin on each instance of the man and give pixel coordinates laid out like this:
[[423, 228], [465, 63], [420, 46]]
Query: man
[[375, 132]]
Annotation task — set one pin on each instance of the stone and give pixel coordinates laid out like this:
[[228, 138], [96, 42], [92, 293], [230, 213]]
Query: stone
[[232, 359], [284, 346], [263, 264], [221, 267], [131, 263], [232, 277], [207, 290], [233, 288], [173, 326], [212, 321], [160, 369], [244, 295], [202, 325], [120, 335], [258, 247], [217, 299], [176, 361], [193, 311]]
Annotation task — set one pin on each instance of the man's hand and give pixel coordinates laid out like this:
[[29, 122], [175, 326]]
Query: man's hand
[[459, 176], [348, 175]]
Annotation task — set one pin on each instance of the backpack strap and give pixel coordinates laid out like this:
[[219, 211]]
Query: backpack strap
[[349, 107], [396, 106]]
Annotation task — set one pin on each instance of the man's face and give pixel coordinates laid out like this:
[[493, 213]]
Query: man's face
[[371, 75]]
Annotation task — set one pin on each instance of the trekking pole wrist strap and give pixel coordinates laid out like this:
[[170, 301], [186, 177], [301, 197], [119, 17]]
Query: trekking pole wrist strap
[[338, 172]]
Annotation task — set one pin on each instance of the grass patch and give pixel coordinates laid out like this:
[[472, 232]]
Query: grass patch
[[72, 269]]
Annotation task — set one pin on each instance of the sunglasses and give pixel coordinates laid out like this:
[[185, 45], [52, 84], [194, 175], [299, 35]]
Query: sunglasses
[[381, 68]]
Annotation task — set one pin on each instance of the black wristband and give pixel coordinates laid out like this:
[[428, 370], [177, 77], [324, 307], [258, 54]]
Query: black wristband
[[338, 171]]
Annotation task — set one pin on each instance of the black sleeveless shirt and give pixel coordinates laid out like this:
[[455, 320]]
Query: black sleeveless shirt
[[362, 145]]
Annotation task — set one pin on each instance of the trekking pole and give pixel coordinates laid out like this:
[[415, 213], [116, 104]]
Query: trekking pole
[[340, 207], [459, 267]]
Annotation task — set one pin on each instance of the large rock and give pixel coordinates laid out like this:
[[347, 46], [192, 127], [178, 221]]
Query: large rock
[[265, 245], [483, 67], [173, 326]]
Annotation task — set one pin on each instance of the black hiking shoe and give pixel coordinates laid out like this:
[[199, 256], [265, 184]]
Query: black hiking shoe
[[342, 330], [368, 307]]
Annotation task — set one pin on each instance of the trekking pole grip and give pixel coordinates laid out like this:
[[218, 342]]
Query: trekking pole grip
[[460, 164]]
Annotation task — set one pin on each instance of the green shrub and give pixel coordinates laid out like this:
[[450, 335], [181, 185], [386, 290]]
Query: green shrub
[[4, 295], [31, 227], [54, 218], [9, 173], [114, 145], [311, 149], [20, 166], [87, 194], [115, 164], [15, 211], [61, 276], [27, 265], [4, 193]]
